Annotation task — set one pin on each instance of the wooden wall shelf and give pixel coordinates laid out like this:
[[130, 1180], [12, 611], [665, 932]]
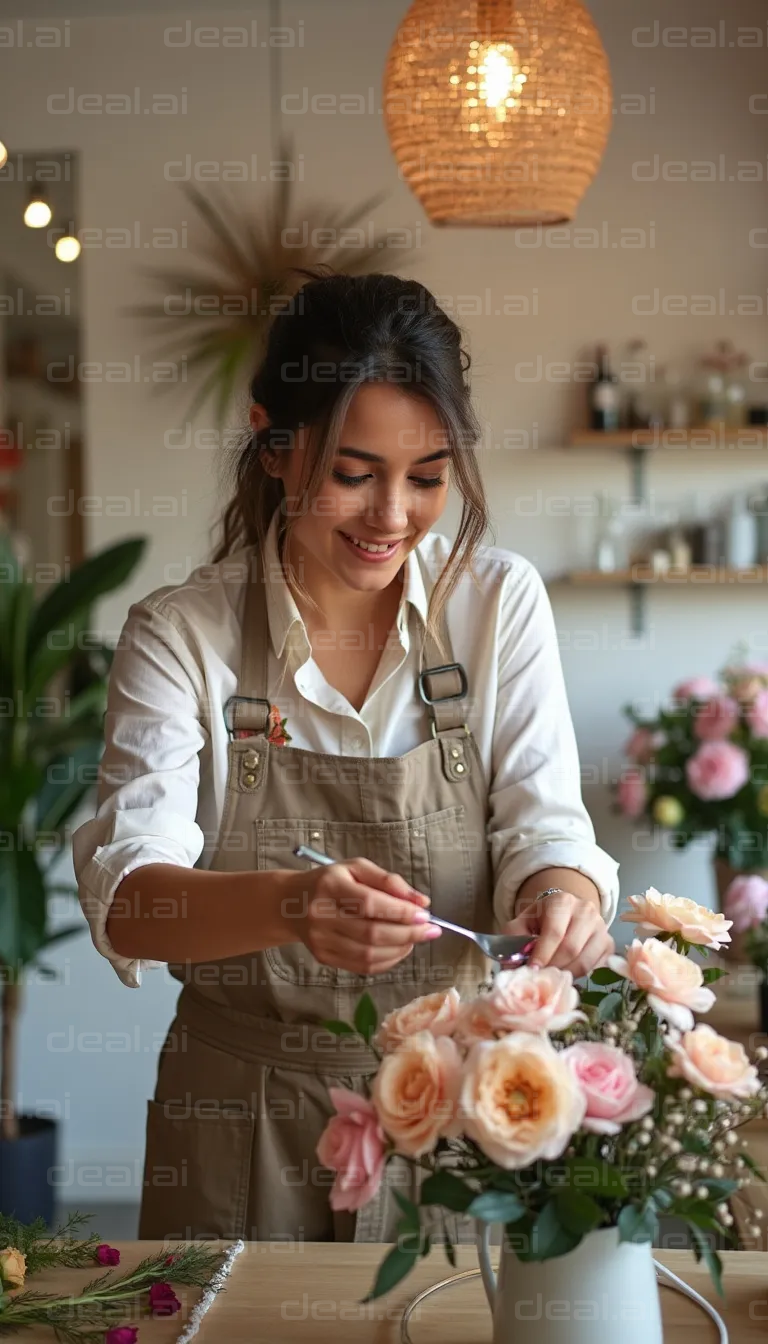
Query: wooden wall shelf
[[697, 438], [640, 577]]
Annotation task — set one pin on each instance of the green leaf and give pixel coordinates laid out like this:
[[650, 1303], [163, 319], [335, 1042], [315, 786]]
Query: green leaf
[[448, 1247], [577, 1212], [393, 1268], [610, 1007], [663, 1199], [412, 1219], [592, 996], [338, 1028], [638, 1223], [712, 973], [693, 1143], [592, 1175], [750, 1162], [719, 1190], [96, 576], [366, 1017], [22, 907], [604, 976], [493, 1206], [447, 1190], [703, 1251], [550, 1237]]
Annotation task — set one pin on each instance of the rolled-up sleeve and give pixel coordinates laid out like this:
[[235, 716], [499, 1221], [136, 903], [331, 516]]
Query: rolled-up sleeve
[[148, 775], [537, 814]]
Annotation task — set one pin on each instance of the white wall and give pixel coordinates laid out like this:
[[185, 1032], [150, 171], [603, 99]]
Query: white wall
[[700, 109]]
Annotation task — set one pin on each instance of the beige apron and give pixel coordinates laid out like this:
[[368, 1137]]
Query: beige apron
[[242, 1089]]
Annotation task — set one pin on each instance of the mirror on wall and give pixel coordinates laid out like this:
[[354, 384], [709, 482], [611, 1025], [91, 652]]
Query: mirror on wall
[[41, 413]]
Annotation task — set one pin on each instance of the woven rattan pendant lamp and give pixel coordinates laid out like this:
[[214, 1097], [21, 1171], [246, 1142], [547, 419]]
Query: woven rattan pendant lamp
[[497, 111]]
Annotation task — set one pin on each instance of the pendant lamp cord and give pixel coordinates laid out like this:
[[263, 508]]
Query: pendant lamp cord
[[275, 80]]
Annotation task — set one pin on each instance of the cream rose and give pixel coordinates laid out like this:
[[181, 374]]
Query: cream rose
[[13, 1268], [713, 1063], [432, 1012], [416, 1091], [519, 1100], [529, 999], [657, 911], [673, 983]]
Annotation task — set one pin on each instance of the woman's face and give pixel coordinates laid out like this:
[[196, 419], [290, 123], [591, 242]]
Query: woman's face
[[387, 488]]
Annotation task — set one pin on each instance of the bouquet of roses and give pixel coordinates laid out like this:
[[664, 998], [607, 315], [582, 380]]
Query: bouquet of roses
[[557, 1111], [701, 764]]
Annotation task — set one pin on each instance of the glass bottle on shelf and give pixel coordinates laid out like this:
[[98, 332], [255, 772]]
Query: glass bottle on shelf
[[604, 398], [610, 549], [741, 539]]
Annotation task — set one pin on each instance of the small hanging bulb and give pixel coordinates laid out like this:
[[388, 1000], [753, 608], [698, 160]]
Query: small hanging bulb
[[67, 245], [38, 212], [3, 155]]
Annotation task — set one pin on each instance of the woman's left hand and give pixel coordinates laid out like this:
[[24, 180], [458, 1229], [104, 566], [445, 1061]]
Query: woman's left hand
[[571, 933]]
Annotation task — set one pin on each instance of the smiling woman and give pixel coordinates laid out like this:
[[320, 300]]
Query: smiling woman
[[431, 756]]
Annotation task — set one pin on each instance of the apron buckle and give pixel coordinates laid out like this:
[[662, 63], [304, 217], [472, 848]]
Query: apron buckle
[[231, 716], [435, 671]]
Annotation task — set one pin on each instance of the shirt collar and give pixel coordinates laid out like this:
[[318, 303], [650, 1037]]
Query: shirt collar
[[284, 616]]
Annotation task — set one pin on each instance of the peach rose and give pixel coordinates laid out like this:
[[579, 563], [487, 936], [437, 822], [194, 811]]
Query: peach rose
[[432, 1012], [13, 1268], [608, 1080], [528, 999], [659, 912], [713, 1063], [673, 983], [416, 1090], [519, 1100], [352, 1144]]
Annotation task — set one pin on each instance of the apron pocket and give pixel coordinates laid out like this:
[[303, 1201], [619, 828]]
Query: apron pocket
[[196, 1175]]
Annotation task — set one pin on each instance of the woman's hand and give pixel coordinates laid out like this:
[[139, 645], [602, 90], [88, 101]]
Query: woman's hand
[[356, 916], [571, 933]]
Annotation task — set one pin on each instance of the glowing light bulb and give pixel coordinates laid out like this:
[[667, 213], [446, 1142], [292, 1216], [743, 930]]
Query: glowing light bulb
[[3, 155], [37, 214], [67, 248], [501, 78]]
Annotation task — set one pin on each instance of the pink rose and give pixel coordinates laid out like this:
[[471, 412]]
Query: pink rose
[[659, 912], [631, 794], [352, 1144], [746, 901], [672, 982], [716, 719], [757, 714], [717, 770], [713, 1063], [696, 688], [608, 1080], [642, 745], [416, 1090], [529, 999], [432, 1012], [122, 1334], [519, 1100]]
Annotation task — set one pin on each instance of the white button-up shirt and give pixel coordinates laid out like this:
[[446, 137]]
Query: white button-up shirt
[[163, 774]]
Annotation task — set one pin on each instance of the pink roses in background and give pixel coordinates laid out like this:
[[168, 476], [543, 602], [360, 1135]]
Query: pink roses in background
[[632, 793], [717, 770], [716, 719], [746, 901]]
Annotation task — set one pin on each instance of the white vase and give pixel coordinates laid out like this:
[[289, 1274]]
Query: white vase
[[604, 1289]]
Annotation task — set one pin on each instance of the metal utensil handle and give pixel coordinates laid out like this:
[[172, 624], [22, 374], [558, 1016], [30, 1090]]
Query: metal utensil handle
[[314, 855], [455, 928]]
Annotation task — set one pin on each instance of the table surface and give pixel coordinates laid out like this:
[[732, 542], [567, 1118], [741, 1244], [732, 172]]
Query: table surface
[[312, 1291]]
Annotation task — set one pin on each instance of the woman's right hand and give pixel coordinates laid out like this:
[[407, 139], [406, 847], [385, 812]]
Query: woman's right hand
[[356, 916]]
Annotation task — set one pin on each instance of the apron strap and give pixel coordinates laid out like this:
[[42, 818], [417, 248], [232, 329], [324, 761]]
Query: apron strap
[[441, 685]]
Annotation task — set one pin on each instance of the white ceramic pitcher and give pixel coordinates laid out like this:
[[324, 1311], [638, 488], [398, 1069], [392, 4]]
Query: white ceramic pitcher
[[604, 1289]]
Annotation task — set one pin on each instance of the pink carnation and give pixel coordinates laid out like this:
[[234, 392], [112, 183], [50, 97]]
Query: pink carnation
[[696, 688], [717, 770], [757, 714], [746, 901], [631, 794], [716, 719]]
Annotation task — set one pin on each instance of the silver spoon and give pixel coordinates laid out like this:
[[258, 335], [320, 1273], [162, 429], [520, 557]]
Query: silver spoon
[[510, 950]]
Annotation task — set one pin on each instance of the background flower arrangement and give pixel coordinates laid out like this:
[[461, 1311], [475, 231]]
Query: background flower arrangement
[[701, 765], [553, 1111]]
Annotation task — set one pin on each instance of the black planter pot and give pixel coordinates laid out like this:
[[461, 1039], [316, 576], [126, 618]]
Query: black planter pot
[[26, 1170], [764, 1005]]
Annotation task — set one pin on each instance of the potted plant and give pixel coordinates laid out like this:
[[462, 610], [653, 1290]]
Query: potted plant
[[700, 766], [53, 679], [574, 1118]]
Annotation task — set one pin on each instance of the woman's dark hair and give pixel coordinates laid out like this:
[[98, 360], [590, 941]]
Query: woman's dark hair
[[338, 333]]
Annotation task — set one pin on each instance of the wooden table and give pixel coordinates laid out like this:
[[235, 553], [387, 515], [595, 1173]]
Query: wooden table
[[311, 1292]]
